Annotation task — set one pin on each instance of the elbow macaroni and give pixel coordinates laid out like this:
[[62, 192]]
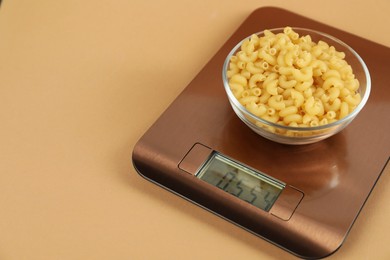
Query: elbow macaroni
[[290, 80]]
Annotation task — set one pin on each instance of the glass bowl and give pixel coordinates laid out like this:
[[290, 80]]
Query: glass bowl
[[297, 135]]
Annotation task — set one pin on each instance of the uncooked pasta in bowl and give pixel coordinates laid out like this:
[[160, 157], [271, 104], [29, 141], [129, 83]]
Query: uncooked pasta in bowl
[[295, 85]]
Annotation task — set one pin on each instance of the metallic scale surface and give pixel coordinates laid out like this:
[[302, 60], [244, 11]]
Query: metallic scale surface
[[334, 176]]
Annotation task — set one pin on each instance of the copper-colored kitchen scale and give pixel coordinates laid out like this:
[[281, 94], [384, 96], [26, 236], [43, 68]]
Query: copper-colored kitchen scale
[[301, 198]]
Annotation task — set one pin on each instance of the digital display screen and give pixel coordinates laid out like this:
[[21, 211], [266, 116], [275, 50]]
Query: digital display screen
[[246, 184]]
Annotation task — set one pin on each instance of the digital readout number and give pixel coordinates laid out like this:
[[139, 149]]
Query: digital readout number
[[257, 195]]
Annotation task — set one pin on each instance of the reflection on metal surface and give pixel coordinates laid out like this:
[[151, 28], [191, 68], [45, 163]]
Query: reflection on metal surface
[[315, 168]]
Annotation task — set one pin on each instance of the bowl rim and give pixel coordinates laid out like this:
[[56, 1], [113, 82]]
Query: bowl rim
[[347, 118]]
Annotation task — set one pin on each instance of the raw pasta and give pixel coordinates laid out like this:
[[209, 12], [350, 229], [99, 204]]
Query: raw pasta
[[288, 79]]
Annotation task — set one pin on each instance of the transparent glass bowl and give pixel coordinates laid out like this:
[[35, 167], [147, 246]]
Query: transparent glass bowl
[[302, 135]]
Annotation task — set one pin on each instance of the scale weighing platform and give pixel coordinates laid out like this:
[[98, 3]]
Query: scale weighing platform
[[302, 198]]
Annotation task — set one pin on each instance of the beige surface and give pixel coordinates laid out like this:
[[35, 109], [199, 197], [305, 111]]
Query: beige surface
[[81, 81]]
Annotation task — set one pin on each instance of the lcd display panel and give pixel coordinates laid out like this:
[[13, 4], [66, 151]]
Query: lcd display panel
[[243, 182]]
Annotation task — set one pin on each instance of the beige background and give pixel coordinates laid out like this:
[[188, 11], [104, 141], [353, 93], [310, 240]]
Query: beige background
[[81, 81]]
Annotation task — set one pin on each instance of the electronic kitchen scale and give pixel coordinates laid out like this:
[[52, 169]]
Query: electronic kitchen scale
[[304, 198]]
